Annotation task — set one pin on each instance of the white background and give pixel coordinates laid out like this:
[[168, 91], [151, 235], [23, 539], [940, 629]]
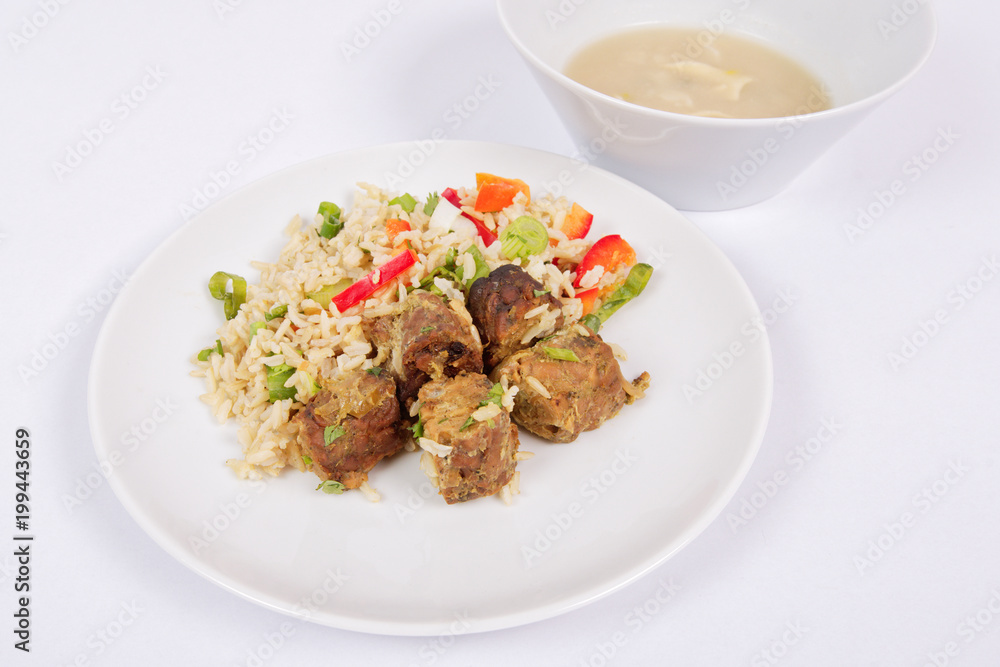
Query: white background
[[881, 548]]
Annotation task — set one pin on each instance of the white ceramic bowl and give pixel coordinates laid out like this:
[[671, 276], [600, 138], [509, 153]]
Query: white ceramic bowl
[[862, 50]]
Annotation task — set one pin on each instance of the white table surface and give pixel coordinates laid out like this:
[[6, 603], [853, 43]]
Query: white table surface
[[876, 536]]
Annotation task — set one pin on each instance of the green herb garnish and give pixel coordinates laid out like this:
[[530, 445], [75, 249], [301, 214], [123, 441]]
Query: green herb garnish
[[276, 312], [634, 283], [324, 294], [432, 202], [232, 299], [523, 237], [331, 224], [405, 202], [495, 395], [560, 353], [482, 268], [277, 376], [331, 486], [255, 327], [331, 433], [306, 459], [207, 352]]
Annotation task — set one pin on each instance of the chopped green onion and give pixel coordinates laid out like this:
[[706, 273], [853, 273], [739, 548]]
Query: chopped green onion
[[207, 352], [468, 422], [375, 370], [432, 202], [540, 292], [561, 353], [405, 201], [218, 287], [634, 283], [424, 330], [523, 237], [329, 208], [306, 459], [324, 294], [255, 327], [331, 433], [331, 486], [331, 224], [276, 312], [277, 376]]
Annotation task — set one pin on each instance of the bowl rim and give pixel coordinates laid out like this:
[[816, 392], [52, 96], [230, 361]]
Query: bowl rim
[[585, 92]]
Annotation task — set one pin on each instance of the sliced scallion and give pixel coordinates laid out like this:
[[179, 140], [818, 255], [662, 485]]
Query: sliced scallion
[[632, 287], [276, 312], [324, 294], [524, 237], [277, 376], [232, 299], [331, 224]]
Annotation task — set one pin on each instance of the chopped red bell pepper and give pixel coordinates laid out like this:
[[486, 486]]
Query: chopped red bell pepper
[[577, 222], [395, 226], [497, 193], [366, 286], [588, 297], [609, 252], [495, 197], [483, 178], [485, 234]]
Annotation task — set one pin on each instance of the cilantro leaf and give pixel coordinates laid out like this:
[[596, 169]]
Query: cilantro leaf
[[331, 486], [331, 433]]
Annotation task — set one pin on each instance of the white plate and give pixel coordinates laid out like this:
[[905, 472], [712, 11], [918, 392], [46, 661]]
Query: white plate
[[592, 516]]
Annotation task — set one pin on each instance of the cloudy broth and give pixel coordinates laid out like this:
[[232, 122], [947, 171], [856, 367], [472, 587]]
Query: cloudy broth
[[679, 70]]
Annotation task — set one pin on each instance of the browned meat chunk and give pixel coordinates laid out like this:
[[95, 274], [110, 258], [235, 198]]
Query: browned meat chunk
[[351, 425], [424, 339], [567, 383], [498, 304], [481, 458]]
